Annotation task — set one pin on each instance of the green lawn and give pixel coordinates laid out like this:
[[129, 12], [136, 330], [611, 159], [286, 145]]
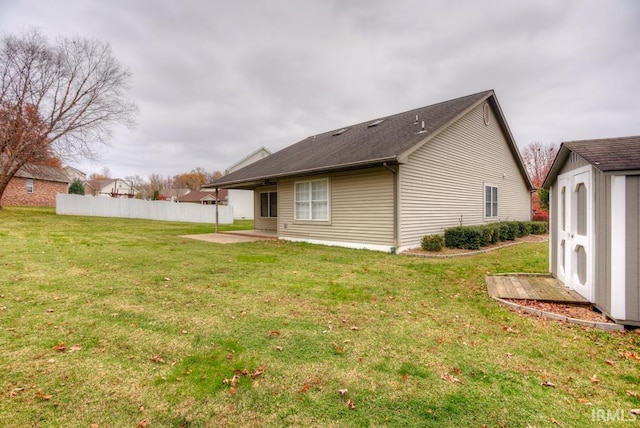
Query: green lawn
[[119, 323]]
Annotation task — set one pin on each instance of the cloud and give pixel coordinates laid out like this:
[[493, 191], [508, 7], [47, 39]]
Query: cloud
[[216, 80]]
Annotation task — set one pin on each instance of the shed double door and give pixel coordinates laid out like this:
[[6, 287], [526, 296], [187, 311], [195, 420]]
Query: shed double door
[[575, 224]]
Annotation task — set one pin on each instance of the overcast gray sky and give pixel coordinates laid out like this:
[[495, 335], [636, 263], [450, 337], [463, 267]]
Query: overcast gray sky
[[216, 80]]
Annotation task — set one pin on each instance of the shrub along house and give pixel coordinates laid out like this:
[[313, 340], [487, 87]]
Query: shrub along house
[[385, 183], [594, 245], [35, 186]]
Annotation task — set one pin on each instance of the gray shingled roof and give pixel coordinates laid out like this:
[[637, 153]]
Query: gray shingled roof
[[606, 154], [359, 145], [42, 172], [609, 154]]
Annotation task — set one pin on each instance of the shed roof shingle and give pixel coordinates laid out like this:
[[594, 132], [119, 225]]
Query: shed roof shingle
[[609, 154], [359, 145]]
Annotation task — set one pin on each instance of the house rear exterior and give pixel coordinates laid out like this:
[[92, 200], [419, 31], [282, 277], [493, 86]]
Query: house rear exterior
[[385, 183], [594, 245]]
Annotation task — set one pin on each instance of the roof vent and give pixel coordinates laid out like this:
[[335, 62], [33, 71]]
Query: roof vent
[[374, 123], [341, 131], [423, 130], [416, 121]]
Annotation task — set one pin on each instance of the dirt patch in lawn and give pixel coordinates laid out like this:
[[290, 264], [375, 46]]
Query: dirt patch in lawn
[[577, 311]]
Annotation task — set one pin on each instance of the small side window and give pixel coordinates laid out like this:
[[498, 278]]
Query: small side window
[[490, 201], [29, 186]]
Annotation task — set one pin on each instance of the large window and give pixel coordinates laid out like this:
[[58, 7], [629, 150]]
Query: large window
[[312, 200], [490, 201], [29, 186], [269, 204]]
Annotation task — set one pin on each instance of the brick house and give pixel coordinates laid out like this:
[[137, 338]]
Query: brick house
[[35, 186]]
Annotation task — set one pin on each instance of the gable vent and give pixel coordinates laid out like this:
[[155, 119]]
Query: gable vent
[[341, 131], [374, 123]]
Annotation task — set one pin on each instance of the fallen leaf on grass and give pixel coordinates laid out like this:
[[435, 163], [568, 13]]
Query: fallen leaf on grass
[[304, 388], [632, 393], [343, 392], [257, 372], [274, 333], [405, 377], [142, 424], [610, 362], [631, 355], [353, 327], [449, 378], [594, 379], [549, 384], [75, 347], [233, 382], [553, 421], [157, 359], [350, 404], [635, 411], [584, 401], [337, 348], [60, 347], [279, 348], [41, 395]]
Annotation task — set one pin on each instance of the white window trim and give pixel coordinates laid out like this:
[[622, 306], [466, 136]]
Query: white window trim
[[30, 186], [484, 200], [310, 220]]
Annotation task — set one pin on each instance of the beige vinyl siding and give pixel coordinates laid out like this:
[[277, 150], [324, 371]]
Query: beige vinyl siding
[[263, 223], [443, 182], [632, 248], [360, 209]]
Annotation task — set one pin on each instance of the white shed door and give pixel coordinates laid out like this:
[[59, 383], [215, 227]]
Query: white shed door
[[575, 223]]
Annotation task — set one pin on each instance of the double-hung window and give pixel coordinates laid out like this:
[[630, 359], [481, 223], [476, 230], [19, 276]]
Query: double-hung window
[[490, 201], [269, 204], [311, 200], [29, 185]]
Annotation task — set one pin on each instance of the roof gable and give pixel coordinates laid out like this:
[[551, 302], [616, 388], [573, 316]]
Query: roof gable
[[606, 154], [383, 139]]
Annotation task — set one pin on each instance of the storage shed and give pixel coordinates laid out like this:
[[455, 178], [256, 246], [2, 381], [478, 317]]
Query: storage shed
[[594, 245]]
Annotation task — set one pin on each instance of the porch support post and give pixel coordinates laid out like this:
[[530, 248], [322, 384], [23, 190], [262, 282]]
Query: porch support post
[[216, 231]]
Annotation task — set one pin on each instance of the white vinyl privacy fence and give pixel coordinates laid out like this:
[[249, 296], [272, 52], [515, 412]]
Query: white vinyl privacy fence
[[136, 208]]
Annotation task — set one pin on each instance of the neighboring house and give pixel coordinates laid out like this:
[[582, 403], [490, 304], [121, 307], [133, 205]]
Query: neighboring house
[[113, 187], [594, 245], [36, 186], [74, 174], [173, 194], [385, 183], [204, 198], [242, 200]]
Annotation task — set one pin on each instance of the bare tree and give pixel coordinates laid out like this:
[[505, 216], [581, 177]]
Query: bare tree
[[538, 158], [57, 100]]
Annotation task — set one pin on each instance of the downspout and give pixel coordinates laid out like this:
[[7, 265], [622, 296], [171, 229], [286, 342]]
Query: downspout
[[216, 210], [395, 207]]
